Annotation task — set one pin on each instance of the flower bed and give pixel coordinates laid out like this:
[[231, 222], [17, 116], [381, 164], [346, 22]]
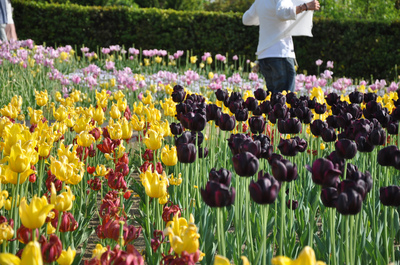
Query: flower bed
[[224, 167]]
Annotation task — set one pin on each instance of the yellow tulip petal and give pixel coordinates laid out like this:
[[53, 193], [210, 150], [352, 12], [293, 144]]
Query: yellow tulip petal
[[9, 259], [220, 260]]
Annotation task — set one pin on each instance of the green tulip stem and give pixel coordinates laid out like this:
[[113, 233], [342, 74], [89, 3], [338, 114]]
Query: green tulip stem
[[347, 235], [332, 234], [186, 198], [291, 215], [385, 222], [41, 176], [221, 231], [4, 246], [238, 217], [283, 212], [121, 234], [392, 234], [248, 223], [148, 216], [225, 148], [264, 223], [353, 240], [15, 213]]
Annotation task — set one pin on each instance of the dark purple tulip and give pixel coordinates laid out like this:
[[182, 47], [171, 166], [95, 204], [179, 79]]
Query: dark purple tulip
[[390, 196], [217, 194], [339, 108], [185, 138], [186, 153], [387, 156], [221, 94], [273, 157], [257, 111], [212, 112], [245, 164], [370, 97], [178, 94], [393, 127], [301, 144], [325, 173], [336, 160], [356, 176], [288, 147], [235, 105], [344, 120], [311, 102], [292, 204], [176, 128], [291, 126], [328, 134], [356, 97], [257, 124], [346, 148], [332, 99], [304, 114], [332, 121], [235, 141], [371, 108], [349, 202], [195, 121], [242, 114], [251, 146], [359, 186], [396, 113], [265, 190], [266, 107], [377, 136], [284, 170], [226, 122], [251, 103], [278, 98], [266, 147], [320, 108], [363, 145], [185, 119], [280, 111], [383, 117], [292, 99], [317, 126], [223, 176], [355, 111], [329, 197], [260, 94]]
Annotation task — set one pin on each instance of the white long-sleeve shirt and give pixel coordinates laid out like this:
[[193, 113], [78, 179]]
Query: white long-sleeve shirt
[[278, 23]]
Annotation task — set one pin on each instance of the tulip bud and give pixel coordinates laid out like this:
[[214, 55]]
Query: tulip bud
[[257, 124], [176, 128], [246, 164], [226, 122], [217, 194], [390, 196], [265, 190], [186, 152], [284, 170], [260, 94], [346, 148]]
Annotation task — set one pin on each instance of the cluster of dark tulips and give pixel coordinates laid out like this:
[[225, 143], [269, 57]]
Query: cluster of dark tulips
[[360, 125]]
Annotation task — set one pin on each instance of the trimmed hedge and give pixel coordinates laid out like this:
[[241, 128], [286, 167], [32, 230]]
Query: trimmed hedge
[[359, 49]]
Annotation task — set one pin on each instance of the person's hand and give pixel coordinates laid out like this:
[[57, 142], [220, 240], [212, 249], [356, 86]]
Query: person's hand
[[313, 5]]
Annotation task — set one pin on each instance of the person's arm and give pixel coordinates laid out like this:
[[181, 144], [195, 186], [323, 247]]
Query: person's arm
[[250, 17], [286, 10], [313, 5]]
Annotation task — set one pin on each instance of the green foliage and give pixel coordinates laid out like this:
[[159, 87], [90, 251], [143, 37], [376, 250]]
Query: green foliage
[[228, 5], [358, 48]]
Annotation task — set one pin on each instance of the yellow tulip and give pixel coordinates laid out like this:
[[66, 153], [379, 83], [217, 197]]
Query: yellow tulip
[[137, 124], [35, 115], [147, 99], [60, 114], [152, 140], [138, 108], [12, 176], [101, 171], [64, 201], [32, 254], [44, 149], [115, 130], [127, 129], [83, 124], [154, 184], [102, 98], [169, 156], [98, 116], [306, 257], [85, 139], [76, 178], [3, 197], [66, 257], [209, 60], [60, 169], [119, 95], [9, 111], [6, 232], [183, 236], [34, 215], [98, 251], [21, 156], [50, 229], [193, 59], [41, 97], [9, 259], [121, 104], [115, 113]]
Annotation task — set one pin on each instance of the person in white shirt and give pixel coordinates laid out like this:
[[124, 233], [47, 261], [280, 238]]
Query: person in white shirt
[[279, 20]]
